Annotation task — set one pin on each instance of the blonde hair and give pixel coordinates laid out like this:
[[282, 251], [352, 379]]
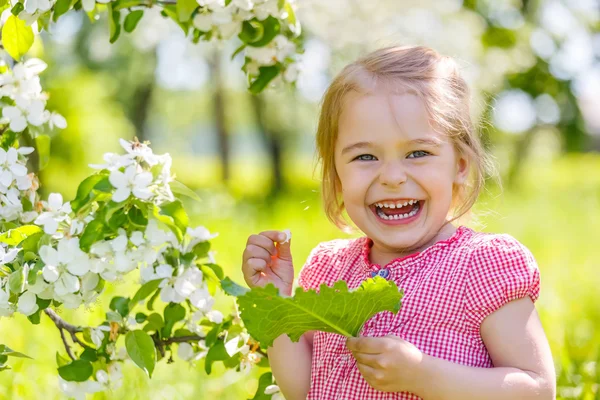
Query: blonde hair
[[435, 79]]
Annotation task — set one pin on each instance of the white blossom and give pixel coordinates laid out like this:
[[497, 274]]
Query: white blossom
[[27, 303], [129, 182], [56, 212], [79, 390], [274, 390]]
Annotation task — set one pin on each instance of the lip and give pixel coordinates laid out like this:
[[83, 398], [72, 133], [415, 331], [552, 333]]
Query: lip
[[404, 221]]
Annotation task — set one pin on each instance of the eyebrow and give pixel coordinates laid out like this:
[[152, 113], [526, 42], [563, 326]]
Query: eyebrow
[[424, 141]]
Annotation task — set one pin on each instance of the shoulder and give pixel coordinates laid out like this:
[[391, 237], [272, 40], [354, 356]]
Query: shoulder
[[501, 269], [499, 253], [326, 259]]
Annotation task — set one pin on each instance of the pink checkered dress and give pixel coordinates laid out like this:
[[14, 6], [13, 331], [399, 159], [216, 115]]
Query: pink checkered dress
[[449, 288]]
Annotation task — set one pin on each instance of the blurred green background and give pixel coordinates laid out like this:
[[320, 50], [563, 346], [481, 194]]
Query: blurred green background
[[534, 67]]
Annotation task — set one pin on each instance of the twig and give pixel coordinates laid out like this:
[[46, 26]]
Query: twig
[[63, 326]]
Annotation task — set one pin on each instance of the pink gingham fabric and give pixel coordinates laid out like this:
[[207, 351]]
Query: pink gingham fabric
[[449, 288]]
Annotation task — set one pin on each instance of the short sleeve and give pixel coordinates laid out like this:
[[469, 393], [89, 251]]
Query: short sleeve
[[502, 269]]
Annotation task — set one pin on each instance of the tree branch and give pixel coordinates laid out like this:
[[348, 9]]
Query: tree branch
[[63, 326]]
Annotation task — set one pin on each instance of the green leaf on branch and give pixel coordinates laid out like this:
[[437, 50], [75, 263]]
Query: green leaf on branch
[[173, 313], [89, 354], [114, 23], [216, 353], [132, 19], [265, 380], [335, 309], [155, 323], [179, 188], [185, 8], [42, 144], [177, 212], [16, 281], [77, 371], [143, 292], [216, 269], [137, 218], [61, 7], [270, 28], [17, 37], [265, 75], [15, 236], [84, 190], [7, 351], [141, 350], [120, 305], [61, 360], [91, 234]]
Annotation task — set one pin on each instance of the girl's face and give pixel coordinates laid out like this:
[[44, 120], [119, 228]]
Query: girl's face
[[396, 172]]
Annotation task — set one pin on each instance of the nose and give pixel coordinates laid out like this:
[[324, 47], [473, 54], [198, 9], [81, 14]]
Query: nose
[[393, 174]]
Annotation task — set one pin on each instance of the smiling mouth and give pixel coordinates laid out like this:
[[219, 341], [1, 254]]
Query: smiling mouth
[[391, 211]]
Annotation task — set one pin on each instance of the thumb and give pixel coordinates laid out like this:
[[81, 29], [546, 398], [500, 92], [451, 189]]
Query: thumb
[[283, 249]]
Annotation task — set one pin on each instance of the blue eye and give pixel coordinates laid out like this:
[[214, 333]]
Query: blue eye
[[365, 155], [425, 153]]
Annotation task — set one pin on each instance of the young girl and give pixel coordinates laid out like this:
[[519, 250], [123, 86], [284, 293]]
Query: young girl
[[401, 157]]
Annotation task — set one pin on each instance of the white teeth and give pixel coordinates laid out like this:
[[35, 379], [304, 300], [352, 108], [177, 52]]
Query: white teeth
[[382, 215], [396, 205]]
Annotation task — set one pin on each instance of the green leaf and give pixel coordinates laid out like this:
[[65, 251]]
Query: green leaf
[[216, 353], [335, 309], [217, 270], [265, 75], [143, 292], [179, 188], [201, 249], [91, 234], [89, 354], [137, 218], [84, 190], [132, 19], [15, 236], [155, 322], [6, 351], [270, 28], [170, 11], [61, 360], [185, 8], [31, 243], [61, 7], [121, 305], [16, 281], [113, 316], [42, 144], [173, 313], [177, 212], [140, 348], [114, 23], [265, 380], [77, 371]]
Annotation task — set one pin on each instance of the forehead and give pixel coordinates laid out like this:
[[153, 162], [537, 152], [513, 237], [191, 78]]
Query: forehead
[[381, 115]]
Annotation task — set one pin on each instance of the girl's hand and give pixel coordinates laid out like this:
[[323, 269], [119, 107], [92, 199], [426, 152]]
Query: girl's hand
[[267, 259], [388, 364]]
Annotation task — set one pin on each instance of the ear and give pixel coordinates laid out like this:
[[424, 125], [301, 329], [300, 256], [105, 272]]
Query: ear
[[462, 169]]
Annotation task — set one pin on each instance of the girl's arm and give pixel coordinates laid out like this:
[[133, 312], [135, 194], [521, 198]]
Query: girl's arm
[[291, 365], [519, 351]]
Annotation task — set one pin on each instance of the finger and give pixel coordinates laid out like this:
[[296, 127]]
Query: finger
[[254, 251], [365, 344], [256, 265], [284, 251], [263, 241], [371, 360], [275, 236]]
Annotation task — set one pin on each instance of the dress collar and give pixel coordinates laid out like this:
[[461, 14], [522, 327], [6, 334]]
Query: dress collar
[[408, 261]]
